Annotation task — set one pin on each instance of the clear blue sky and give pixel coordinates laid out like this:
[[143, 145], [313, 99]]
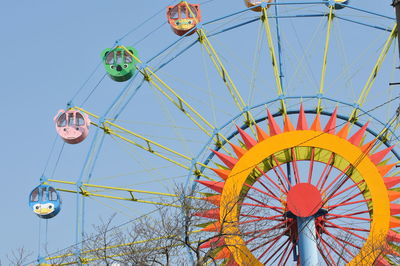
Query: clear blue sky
[[49, 48]]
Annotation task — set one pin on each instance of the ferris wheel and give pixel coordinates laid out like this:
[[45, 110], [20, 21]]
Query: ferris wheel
[[277, 119]]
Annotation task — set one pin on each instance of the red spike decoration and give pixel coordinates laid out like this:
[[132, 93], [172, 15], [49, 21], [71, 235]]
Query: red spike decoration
[[357, 137], [393, 236], [394, 222], [384, 169], [261, 134], [288, 126], [274, 129], [249, 141], [392, 181], [302, 121], [216, 199], [223, 173], [331, 125], [316, 125], [224, 253], [212, 214], [227, 160], [381, 261], [394, 209], [216, 186], [378, 157], [344, 132], [393, 195], [239, 151], [214, 227], [213, 243]]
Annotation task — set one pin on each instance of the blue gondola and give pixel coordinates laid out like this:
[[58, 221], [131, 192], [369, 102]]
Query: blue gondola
[[337, 3], [45, 201]]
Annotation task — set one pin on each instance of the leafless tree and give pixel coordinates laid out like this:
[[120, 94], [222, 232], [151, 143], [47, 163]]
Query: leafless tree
[[19, 257]]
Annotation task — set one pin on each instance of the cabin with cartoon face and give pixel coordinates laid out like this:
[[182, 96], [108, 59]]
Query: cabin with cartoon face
[[120, 62], [45, 201], [72, 126], [183, 17]]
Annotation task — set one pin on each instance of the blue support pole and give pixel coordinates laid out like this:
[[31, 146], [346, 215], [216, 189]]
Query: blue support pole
[[307, 241], [278, 36]]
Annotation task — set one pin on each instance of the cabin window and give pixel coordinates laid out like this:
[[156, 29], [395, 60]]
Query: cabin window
[[119, 58], [35, 195], [183, 12], [128, 57], [61, 121], [193, 12], [43, 194], [80, 121], [110, 58], [174, 12], [52, 194], [71, 119]]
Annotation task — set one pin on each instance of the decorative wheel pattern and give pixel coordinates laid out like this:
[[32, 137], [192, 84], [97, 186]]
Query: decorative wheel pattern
[[303, 171]]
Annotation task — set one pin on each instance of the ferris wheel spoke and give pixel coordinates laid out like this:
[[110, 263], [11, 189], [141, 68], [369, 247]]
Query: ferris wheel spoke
[[271, 218], [173, 96], [263, 232], [286, 243], [267, 27], [339, 242], [263, 192], [310, 172], [339, 181], [349, 216], [226, 78], [260, 202], [346, 230], [374, 73], [285, 257], [350, 228], [275, 208], [348, 243], [145, 143], [272, 242], [276, 250], [282, 172], [295, 167], [348, 203], [326, 172], [324, 246], [339, 254], [347, 189], [270, 180], [260, 218], [324, 63]]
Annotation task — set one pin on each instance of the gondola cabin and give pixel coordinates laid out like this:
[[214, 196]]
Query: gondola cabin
[[253, 3], [72, 126], [119, 63], [337, 3], [183, 17], [45, 201]]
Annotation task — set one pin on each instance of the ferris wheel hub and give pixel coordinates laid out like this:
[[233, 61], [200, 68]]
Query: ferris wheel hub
[[304, 200]]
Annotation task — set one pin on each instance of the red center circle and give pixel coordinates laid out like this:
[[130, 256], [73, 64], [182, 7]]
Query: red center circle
[[304, 200]]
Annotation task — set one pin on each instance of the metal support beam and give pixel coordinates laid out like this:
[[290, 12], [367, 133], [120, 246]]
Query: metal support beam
[[396, 5], [307, 241]]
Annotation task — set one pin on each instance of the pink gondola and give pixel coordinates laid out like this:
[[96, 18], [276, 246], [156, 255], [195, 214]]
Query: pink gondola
[[72, 126]]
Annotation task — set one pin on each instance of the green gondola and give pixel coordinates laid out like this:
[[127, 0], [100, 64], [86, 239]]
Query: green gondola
[[119, 64]]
